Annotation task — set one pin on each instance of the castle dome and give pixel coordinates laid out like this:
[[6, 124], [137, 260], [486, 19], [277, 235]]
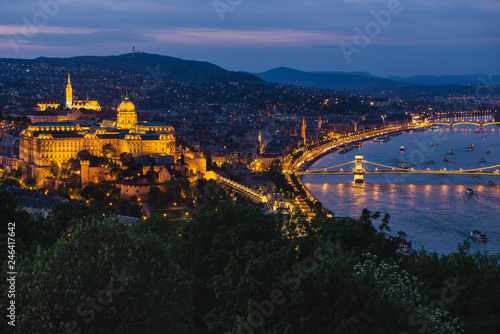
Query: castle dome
[[126, 106]]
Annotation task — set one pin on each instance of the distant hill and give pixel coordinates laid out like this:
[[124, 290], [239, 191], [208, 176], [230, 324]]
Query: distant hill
[[327, 80], [430, 80], [171, 68], [416, 86]]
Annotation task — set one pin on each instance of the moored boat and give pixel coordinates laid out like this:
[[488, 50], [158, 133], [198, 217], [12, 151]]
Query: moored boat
[[381, 139], [491, 183], [346, 149], [469, 191], [435, 127]]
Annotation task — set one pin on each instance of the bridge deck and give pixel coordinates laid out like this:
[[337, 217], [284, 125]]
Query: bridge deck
[[400, 172]]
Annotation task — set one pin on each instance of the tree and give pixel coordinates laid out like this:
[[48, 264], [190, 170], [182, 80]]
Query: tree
[[152, 175], [26, 232], [30, 182], [108, 151], [61, 220], [204, 247], [117, 174], [126, 158], [54, 169], [103, 278], [16, 174], [83, 155]]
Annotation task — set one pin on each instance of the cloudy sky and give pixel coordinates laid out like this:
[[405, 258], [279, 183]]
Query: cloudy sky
[[382, 37]]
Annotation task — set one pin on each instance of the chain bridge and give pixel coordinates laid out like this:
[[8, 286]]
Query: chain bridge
[[360, 167]]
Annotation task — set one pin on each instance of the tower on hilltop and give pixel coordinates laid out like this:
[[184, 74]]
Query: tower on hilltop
[[69, 94]]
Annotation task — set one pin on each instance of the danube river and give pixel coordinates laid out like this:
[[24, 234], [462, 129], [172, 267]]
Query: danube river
[[433, 210]]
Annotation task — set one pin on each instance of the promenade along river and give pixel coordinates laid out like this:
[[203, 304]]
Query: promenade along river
[[433, 210]]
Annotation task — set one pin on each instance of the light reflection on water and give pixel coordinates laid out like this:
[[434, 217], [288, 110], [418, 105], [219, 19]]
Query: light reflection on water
[[433, 210]]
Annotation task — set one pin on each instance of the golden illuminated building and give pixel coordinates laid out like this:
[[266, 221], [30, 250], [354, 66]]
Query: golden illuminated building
[[126, 117], [43, 143], [79, 104]]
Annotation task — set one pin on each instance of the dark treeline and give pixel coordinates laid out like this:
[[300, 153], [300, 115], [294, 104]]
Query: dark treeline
[[234, 269]]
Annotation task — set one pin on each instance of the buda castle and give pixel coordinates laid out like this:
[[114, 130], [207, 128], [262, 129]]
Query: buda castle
[[43, 143]]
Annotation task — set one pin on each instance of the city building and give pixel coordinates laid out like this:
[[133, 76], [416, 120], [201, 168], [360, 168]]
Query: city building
[[41, 144], [79, 104]]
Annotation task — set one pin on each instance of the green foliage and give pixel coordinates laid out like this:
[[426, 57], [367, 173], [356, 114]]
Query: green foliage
[[204, 246], [152, 175], [26, 232], [54, 169], [61, 220], [104, 278], [16, 174], [235, 269], [8, 182], [126, 158], [117, 174], [109, 151], [281, 183]]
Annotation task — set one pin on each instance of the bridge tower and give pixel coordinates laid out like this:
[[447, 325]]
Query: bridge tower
[[359, 171]]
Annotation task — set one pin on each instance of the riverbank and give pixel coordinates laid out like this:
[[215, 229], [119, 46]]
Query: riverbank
[[309, 156]]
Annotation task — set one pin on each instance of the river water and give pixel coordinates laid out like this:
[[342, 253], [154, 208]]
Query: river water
[[433, 210]]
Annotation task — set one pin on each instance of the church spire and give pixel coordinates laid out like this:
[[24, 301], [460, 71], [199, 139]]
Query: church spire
[[69, 94]]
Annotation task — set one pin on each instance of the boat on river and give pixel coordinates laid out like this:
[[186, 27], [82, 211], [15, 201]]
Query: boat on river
[[471, 147], [346, 149], [402, 148], [381, 139], [404, 165], [478, 235]]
